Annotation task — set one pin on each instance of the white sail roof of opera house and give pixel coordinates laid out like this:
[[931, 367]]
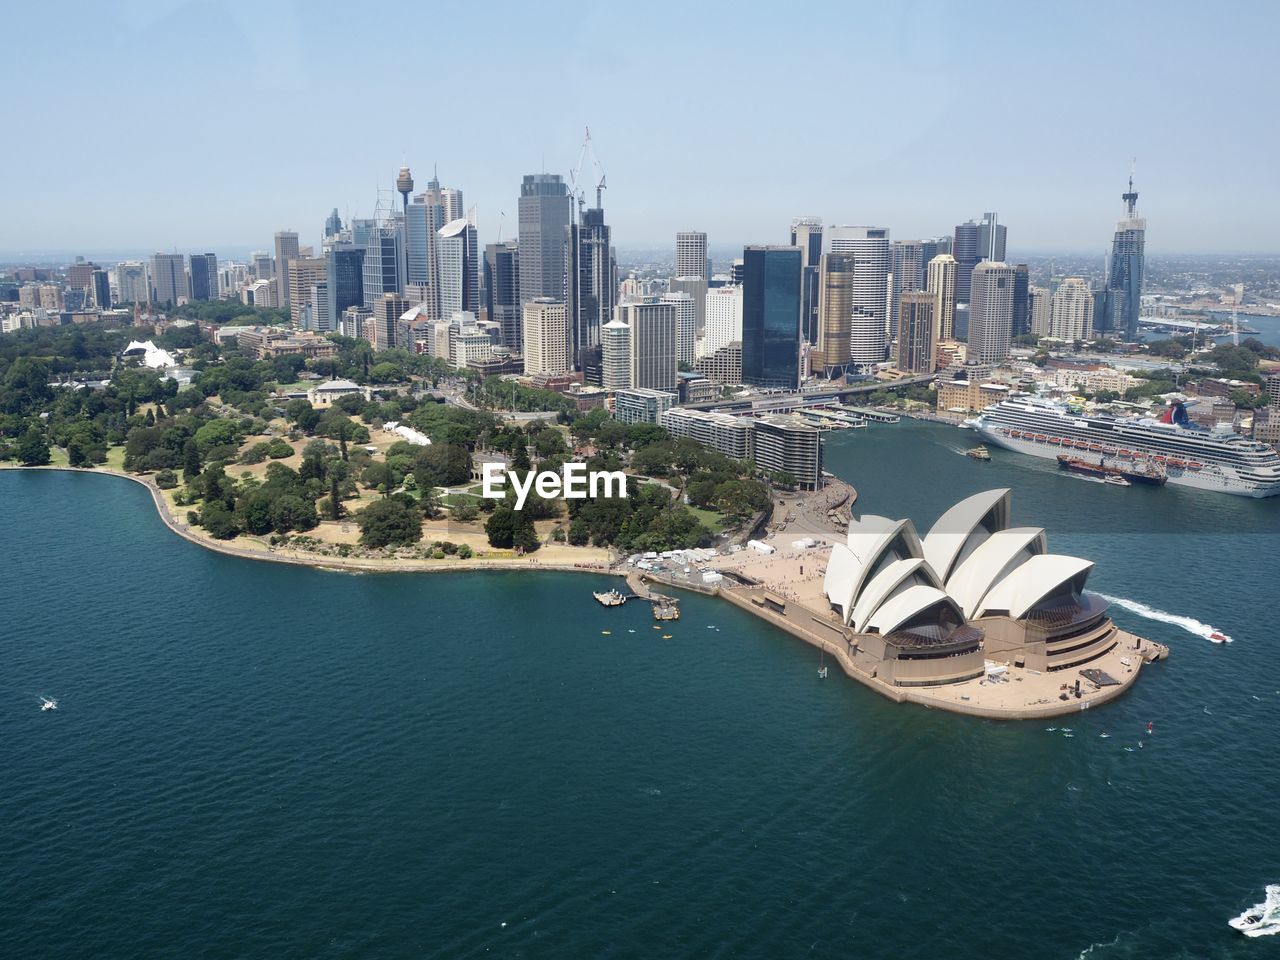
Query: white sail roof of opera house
[[963, 528], [1033, 581], [896, 578], [873, 543], [884, 575], [904, 606], [990, 562]]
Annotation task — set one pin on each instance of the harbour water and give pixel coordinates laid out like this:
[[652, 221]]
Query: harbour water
[[250, 759]]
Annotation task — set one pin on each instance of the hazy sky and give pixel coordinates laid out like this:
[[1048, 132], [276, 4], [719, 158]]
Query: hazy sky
[[167, 124]]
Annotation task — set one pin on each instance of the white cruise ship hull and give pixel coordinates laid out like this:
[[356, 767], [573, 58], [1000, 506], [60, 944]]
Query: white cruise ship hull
[[1209, 477]]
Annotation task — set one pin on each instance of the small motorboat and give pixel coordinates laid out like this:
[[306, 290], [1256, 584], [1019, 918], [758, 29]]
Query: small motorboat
[[606, 633], [48, 703], [1262, 918], [1218, 637], [1116, 481]]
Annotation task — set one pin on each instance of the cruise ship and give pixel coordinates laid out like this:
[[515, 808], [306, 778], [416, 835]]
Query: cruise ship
[[1187, 454]]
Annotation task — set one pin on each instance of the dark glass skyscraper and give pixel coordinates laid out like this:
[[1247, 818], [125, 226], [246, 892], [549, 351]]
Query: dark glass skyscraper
[[590, 289], [545, 212], [204, 276], [502, 290], [345, 280], [771, 289], [1124, 277], [974, 242], [1021, 299], [101, 289]]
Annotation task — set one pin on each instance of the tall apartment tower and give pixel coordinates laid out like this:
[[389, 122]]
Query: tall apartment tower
[[906, 264], [941, 285], [1039, 309], [686, 325], [990, 312], [691, 254], [915, 332], [831, 356], [696, 287], [1124, 277], [653, 344], [286, 250], [502, 290], [204, 276], [771, 277], [869, 331], [545, 211], [615, 347], [1071, 313], [168, 278], [546, 337], [590, 288], [457, 252], [806, 233]]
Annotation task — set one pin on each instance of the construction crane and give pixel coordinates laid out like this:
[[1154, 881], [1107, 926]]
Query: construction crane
[[575, 190]]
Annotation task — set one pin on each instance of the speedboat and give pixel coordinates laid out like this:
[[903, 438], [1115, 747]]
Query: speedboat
[[48, 704], [1116, 481], [1262, 918], [1217, 637]]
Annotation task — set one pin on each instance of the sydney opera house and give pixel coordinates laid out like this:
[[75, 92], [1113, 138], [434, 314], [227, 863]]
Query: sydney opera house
[[935, 610]]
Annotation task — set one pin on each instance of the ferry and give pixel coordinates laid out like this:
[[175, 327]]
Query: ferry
[[978, 453], [1187, 455]]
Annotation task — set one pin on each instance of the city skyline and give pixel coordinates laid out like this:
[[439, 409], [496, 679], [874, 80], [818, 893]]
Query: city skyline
[[913, 174]]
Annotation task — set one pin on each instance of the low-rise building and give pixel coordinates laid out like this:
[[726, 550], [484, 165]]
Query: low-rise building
[[641, 404], [732, 436], [960, 398]]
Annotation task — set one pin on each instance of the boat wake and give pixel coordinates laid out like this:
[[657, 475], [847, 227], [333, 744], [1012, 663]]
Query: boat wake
[[1262, 919], [1189, 624]]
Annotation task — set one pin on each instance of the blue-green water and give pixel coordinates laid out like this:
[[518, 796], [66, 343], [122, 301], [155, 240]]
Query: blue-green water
[[252, 759]]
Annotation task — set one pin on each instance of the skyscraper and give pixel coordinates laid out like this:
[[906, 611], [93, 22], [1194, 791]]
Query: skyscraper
[[1071, 313], [383, 259], [615, 347], [771, 316], [545, 211], [990, 312], [1021, 303], [696, 287], [1039, 310], [132, 285], [286, 250], [457, 251], [204, 276], [975, 241], [653, 344], [304, 273], [942, 287], [345, 279], [724, 318], [590, 288], [168, 278], [686, 325], [830, 357], [806, 233], [425, 218], [546, 337], [691, 254], [1124, 278], [332, 224], [502, 290], [915, 332], [101, 289], [869, 330], [907, 265]]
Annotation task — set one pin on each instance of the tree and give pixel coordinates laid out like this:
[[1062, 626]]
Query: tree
[[389, 523], [292, 512], [500, 527], [33, 451], [190, 461], [218, 521]]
